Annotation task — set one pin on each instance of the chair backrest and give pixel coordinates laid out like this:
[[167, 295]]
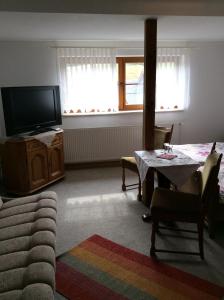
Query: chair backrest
[[210, 176], [213, 148], [162, 135]]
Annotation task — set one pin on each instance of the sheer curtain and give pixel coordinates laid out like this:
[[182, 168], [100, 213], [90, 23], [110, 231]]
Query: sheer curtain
[[173, 76], [88, 79]]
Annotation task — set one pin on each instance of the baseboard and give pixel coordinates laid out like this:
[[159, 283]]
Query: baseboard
[[93, 164]]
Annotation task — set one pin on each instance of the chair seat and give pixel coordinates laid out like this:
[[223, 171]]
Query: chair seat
[[129, 159], [175, 202], [130, 163]]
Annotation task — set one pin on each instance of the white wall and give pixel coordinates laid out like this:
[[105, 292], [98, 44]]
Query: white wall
[[35, 64], [204, 120], [24, 64]]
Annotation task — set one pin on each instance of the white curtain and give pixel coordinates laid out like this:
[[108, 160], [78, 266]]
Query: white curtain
[[172, 81], [88, 79]]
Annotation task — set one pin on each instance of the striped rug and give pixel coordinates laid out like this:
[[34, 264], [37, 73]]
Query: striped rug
[[99, 269]]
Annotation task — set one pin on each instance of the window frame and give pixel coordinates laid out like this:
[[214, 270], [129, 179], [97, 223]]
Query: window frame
[[121, 61]]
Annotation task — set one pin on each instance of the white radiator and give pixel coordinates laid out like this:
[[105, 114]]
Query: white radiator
[[100, 144]]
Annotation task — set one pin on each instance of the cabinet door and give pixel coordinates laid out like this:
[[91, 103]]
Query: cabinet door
[[56, 162], [14, 167], [38, 167]]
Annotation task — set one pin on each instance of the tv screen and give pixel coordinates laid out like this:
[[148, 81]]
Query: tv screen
[[30, 108]]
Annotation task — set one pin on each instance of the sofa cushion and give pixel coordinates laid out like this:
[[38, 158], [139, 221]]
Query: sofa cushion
[[27, 247], [22, 259], [35, 291], [19, 278]]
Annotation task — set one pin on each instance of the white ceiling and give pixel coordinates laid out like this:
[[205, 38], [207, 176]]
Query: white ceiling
[[15, 26]]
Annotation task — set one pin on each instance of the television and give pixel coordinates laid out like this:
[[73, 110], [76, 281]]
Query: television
[[32, 108]]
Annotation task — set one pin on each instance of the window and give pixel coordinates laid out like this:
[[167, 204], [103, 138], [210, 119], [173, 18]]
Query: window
[[94, 80], [130, 82], [172, 80], [88, 81]]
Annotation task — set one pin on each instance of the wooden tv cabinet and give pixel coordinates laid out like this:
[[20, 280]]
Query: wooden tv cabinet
[[30, 164]]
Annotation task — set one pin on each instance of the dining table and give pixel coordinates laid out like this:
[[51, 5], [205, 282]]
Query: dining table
[[178, 164]]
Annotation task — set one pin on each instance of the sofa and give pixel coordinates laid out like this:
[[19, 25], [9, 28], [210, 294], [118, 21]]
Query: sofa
[[27, 247]]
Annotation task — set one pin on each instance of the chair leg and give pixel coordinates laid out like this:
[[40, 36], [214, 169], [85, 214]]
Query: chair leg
[[200, 238], [153, 238], [139, 189], [211, 225], [212, 213], [123, 179], [211, 229]]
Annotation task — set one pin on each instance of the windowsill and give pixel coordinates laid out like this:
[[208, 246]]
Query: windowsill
[[118, 113], [102, 113], [169, 110]]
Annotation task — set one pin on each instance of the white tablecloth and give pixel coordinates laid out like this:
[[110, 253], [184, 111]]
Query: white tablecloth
[[176, 170]]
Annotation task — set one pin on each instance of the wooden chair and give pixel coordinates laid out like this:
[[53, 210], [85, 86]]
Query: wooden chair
[[161, 135], [215, 209], [188, 204]]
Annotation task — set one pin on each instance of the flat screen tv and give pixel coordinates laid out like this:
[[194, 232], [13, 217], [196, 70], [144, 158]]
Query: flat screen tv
[[30, 108]]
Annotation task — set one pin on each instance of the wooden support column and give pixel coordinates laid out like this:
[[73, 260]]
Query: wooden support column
[[150, 48]]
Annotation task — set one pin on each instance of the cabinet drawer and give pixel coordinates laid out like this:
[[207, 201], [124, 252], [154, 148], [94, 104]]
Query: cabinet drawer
[[34, 145]]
